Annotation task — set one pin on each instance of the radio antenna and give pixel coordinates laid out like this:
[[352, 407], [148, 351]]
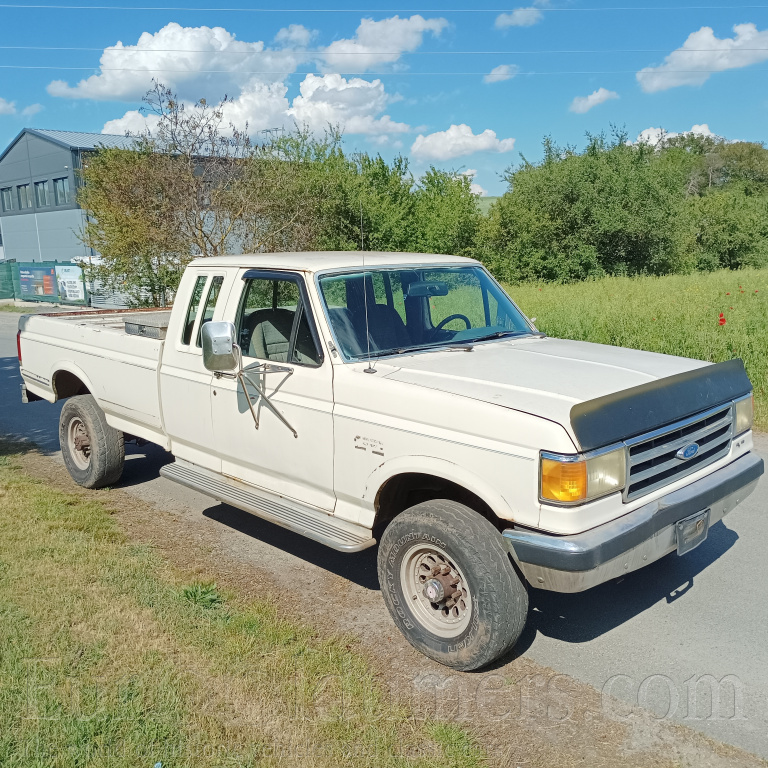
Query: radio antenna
[[370, 368]]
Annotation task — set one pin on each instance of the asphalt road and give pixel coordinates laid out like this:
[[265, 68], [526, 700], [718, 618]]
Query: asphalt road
[[650, 639]]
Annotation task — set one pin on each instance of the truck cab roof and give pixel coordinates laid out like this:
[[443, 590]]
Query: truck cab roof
[[320, 261]]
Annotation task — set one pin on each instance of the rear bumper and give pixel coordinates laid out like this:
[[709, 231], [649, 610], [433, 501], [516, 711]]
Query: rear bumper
[[575, 563]]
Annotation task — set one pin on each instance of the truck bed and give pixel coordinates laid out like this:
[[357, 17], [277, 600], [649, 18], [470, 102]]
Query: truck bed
[[118, 368]]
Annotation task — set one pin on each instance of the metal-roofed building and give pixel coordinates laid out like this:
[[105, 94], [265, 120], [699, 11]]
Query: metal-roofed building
[[39, 216]]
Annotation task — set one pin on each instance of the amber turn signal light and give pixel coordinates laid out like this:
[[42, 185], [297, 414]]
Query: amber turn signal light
[[563, 481]]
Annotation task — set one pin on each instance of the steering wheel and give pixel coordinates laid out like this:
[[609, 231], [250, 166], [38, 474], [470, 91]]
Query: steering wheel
[[439, 326]]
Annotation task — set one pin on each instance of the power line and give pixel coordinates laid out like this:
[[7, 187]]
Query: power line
[[366, 52], [521, 73], [381, 10]]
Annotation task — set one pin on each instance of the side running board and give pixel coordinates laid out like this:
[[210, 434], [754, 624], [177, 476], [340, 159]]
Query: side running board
[[326, 529]]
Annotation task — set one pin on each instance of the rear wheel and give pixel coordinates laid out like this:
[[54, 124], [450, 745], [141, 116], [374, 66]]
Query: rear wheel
[[450, 586], [94, 452]]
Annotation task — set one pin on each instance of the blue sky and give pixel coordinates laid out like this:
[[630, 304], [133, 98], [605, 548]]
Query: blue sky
[[468, 86]]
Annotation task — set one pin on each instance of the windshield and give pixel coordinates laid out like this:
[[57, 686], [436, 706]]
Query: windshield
[[417, 308]]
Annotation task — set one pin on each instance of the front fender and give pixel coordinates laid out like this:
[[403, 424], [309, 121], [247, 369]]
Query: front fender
[[446, 470]]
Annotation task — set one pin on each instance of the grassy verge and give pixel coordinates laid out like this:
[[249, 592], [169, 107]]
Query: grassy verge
[[110, 658], [676, 315]]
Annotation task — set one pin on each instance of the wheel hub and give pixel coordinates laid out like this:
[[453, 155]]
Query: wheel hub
[[79, 443], [438, 593], [434, 591]]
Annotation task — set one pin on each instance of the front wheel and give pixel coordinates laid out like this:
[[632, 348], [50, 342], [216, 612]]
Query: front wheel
[[93, 451], [450, 586]]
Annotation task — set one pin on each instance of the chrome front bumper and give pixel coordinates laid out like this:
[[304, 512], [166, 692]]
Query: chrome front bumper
[[575, 563]]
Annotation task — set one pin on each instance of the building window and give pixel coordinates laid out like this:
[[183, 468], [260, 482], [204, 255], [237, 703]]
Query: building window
[[6, 195], [61, 190], [41, 194], [25, 197]]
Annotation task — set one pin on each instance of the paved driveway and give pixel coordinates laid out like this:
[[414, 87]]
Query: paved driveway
[[679, 637]]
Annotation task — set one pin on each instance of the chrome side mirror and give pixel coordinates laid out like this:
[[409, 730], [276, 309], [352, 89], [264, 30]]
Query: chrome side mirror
[[220, 352]]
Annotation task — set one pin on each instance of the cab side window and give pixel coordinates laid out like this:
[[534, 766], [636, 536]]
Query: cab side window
[[192, 310], [210, 306], [273, 324]]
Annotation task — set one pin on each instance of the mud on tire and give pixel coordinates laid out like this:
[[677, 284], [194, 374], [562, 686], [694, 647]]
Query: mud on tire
[[94, 452], [443, 549]]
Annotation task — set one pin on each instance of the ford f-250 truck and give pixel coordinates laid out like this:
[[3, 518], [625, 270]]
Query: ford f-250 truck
[[405, 399]]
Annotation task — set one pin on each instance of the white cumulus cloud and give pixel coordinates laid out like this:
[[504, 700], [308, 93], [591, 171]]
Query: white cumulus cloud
[[31, 110], [520, 17], [501, 73], [654, 136], [9, 108], [703, 53], [207, 62], [295, 35], [582, 104], [380, 42], [458, 141], [131, 122], [194, 61], [354, 104]]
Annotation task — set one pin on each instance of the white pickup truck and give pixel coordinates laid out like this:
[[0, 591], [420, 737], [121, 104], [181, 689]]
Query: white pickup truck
[[405, 399]]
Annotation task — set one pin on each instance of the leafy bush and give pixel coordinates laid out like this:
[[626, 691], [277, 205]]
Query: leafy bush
[[627, 209]]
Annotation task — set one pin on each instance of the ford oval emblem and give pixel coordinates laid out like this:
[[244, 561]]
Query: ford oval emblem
[[688, 451]]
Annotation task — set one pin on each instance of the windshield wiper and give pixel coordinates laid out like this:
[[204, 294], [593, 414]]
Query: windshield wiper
[[385, 352], [496, 335], [405, 350], [461, 343]]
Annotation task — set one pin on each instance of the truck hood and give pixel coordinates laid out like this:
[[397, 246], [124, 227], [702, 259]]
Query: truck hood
[[542, 376]]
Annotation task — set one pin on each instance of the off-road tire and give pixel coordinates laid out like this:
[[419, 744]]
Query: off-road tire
[[498, 608], [104, 465]]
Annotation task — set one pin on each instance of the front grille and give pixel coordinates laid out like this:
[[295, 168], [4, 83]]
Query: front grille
[[652, 458]]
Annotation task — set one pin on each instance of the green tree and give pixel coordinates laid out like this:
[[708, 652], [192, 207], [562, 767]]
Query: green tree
[[729, 229], [619, 208], [446, 214]]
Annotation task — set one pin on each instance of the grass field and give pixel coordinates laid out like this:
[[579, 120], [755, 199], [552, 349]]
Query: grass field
[[676, 315], [111, 659]]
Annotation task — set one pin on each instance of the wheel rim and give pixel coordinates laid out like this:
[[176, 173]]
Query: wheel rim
[[79, 443], [435, 590]]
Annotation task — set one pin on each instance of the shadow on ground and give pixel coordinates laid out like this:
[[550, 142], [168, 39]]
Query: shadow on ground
[[357, 567], [584, 616]]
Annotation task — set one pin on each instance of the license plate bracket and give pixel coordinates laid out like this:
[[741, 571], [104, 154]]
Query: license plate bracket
[[691, 531]]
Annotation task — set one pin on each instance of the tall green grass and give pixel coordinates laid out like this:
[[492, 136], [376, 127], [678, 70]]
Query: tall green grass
[[676, 315], [111, 659]]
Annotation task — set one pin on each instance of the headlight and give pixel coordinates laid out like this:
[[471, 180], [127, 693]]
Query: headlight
[[571, 479], [745, 411]]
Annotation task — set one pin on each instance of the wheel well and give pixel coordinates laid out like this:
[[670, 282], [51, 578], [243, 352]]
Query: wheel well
[[404, 491], [66, 384]]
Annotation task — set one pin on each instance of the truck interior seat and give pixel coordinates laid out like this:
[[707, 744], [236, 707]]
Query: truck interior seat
[[270, 337], [385, 327], [270, 334], [351, 342]]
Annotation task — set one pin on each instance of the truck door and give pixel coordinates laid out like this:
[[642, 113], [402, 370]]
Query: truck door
[[185, 384], [290, 387]]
